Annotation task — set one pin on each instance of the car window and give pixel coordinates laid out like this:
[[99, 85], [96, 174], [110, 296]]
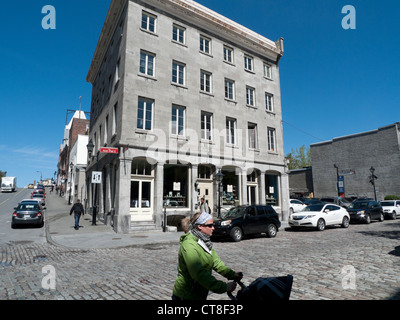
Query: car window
[[251, 211], [28, 207], [332, 208], [261, 210]]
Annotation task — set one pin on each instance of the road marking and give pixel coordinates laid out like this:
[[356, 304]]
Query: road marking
[[4, 201]]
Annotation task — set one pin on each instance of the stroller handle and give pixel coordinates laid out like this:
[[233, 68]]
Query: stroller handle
[[242, 286]]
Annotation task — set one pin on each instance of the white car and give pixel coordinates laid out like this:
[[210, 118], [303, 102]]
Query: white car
[[319, 216], [296, 205], [391, 208]]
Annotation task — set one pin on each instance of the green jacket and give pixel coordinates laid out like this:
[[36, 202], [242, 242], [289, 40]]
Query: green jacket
[[195, 267]]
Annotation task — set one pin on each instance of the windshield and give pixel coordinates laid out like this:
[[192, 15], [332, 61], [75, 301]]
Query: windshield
[[233, 213], [359, 205], [387, 203], [37, 196], [313, 207]]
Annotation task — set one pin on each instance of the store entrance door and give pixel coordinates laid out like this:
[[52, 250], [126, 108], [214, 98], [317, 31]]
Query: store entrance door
[[205, 189], [142, 200]]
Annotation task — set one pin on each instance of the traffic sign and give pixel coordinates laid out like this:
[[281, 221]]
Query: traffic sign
[[96, 176], [109, 150]]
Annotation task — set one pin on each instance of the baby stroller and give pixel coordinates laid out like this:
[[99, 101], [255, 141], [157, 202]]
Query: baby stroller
[[274, 288]]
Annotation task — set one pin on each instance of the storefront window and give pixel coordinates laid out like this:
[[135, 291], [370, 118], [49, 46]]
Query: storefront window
[[271, 189], [230, 184], [176, 186]]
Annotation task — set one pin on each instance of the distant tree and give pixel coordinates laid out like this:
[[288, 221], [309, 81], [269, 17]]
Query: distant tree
[[299, 158], [3, 174]]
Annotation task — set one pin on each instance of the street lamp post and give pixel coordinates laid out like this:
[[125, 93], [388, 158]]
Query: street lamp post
[[90, 147], [372, 179], [219, 176], [337, 178], [71, 166]]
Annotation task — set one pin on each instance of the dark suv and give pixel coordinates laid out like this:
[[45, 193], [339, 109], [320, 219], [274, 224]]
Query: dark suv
[[245, 220], [365, 210]]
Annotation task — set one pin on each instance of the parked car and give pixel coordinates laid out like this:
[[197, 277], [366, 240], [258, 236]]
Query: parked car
[[39, 191], [40, 197], [336, 200], [365, 211], [27, 213], [243, 220], [296, 205], [391, 208], [319, 216]]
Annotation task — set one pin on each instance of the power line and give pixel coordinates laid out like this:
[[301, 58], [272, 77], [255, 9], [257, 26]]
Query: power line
[[309, 134]]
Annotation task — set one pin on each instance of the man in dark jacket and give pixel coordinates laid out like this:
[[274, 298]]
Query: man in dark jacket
[[77, 209]]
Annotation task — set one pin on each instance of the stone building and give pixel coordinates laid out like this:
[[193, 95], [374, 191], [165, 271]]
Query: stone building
[[183, 93], [353, 156]]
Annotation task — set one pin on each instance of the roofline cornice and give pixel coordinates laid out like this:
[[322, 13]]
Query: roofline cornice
[[196, 14]]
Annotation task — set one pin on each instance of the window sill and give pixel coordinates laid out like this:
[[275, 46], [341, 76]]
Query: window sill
[[207, 93], [179, 85], [149, 32], [147, 76]]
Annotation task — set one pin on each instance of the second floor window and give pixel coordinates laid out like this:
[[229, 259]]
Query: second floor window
[[206, 126], [178, 121], [147, 63], [252, 131], [271, 139], [229, 89], [250, 96], [145, 114], [230, 131], [269, 102]]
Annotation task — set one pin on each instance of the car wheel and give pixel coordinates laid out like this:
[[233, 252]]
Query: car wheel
[[236, 234], [321, 225], [291, 210], [381, 217], [271, 231], [345, 222], [367, 219], [394, 216]]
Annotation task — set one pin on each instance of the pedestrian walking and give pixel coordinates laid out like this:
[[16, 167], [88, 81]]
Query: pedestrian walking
[[204, 206], [77, 209], [197, 259]]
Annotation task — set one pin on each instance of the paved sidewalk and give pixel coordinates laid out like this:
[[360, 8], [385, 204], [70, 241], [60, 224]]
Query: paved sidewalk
[[60, 230]]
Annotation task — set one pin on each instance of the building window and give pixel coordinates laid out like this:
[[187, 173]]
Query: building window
[[267, 71], [271, 139], [115, 119], [176, 186], [229, 89], [148, 22], [145, 114], [252, 131], [231, 131], [269, 102], [147, 63], [205, 81], [106, 131], [178, 73], [228, 54], [206, 126], [178, 121], [250, 96], [178, 34], [248, 63], [205, 45], [141, 168]]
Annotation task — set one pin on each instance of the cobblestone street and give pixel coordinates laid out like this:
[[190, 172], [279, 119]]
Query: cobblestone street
[[317, 260]]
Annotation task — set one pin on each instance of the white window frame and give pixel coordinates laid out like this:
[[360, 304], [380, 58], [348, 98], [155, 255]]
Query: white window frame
[[269, 102], [228, 54], [178, 72], [178, 34], [150, 24], [252, 132], [205, 44], [175, 112], [206, 121], [229, 89], [149, 59], [271, 136], [146, 104], [268, 71], [231, 126], [205, 81], [250, 96], [248, 63]]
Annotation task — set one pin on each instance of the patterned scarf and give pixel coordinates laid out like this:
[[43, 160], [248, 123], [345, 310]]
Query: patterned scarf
[[202, 236]]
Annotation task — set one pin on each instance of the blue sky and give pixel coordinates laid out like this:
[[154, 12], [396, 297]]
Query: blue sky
[[334, 82]]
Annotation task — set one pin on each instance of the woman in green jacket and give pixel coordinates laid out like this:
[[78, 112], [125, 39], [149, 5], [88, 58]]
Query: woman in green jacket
[[197, 259]]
